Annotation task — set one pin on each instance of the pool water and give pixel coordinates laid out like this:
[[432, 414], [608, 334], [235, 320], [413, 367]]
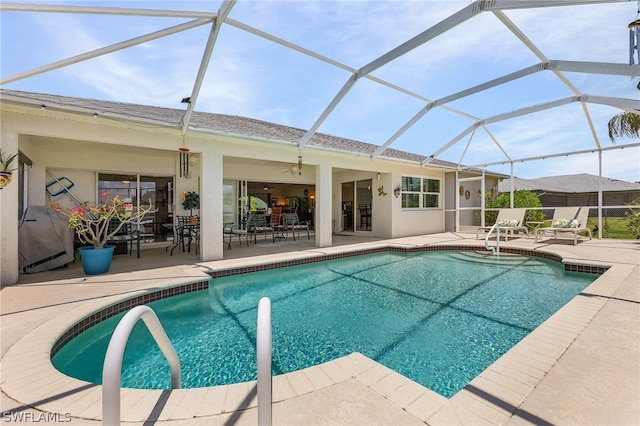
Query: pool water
[[438, 318]]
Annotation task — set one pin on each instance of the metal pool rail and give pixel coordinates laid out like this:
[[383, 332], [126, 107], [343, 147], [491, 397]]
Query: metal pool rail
[[263, 351], [112, 366], [115, 351], [496, 249]]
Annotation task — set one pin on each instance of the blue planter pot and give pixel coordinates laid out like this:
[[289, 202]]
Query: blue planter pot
[[96, 261]]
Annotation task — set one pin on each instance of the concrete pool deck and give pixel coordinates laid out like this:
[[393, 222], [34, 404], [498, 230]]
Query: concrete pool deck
[[581, 366]]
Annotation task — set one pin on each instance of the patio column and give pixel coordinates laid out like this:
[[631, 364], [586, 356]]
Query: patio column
[[9, 265], [323, 220], [211, 193]]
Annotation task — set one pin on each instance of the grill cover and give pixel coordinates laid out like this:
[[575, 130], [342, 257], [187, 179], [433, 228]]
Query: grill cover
[[44, 241]]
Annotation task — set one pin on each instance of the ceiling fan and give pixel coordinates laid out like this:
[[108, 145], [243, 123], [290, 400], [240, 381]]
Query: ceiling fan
[[296, 168], [293, 169], [267, 187]]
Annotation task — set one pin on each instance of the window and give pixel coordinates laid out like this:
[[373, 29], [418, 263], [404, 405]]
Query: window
[[420, 193]]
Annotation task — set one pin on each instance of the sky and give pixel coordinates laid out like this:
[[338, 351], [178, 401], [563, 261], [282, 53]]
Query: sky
[[254, 77]]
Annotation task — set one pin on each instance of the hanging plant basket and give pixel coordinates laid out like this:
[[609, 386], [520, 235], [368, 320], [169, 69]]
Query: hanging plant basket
[[5, 178], [5, 171]]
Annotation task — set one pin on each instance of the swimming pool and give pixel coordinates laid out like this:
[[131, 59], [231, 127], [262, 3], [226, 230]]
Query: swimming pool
[[439, 318]]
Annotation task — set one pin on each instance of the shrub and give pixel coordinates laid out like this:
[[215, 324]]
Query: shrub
[[521, 198], [633, 218]]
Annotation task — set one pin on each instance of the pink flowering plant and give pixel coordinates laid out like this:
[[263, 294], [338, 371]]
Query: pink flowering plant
[[91, 221]]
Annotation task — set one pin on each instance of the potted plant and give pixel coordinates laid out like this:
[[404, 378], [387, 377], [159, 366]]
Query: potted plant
[[397, 190], [191, 202], [5, 171], [97, 224]]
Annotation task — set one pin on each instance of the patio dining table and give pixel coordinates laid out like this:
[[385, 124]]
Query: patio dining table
[[182, 231]]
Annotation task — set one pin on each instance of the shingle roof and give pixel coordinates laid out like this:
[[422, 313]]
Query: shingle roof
[[570, 184], [213, 123]]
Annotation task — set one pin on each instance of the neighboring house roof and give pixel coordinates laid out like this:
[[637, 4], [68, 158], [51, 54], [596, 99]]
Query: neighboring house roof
[[568, 184], [215, 124]]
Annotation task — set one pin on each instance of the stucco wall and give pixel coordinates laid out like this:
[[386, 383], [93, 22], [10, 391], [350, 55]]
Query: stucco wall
[[77, 146]]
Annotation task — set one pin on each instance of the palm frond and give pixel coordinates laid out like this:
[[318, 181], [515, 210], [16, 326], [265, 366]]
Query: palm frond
[[626, 124]]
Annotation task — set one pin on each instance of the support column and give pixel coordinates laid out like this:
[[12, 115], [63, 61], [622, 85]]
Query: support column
[[324, 196], [211, 195]]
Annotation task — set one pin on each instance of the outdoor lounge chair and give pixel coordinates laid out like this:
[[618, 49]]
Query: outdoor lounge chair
[[567, 220], [509, 221]]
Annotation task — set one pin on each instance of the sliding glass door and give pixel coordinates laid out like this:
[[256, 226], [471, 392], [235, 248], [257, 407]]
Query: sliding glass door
[[142, 190]]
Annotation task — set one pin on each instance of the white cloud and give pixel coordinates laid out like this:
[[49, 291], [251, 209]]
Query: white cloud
[[253, 77]]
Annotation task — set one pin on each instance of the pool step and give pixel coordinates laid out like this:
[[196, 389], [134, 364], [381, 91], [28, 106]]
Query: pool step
[[486, 257]]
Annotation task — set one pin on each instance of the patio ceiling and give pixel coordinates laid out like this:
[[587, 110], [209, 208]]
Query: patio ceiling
[[483, 84]]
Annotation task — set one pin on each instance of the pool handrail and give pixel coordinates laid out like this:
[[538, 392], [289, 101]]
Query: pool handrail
[[112, 366], [496, 249], [263, 351]]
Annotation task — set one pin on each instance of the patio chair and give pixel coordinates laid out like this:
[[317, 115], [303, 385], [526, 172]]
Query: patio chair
[[278, 227], [258, 223], [126, 235], [509, 221], [567, 220], [365, 216], [293, 222], [185, 231], [245, 228]]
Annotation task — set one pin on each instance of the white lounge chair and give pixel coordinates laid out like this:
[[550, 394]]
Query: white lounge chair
[[567, 220], [509, 221]]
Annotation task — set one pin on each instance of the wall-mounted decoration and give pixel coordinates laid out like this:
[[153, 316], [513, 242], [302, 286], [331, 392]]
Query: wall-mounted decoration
[[397, 191], [461, 190], [381, 192], [184, 164], [467, 194]]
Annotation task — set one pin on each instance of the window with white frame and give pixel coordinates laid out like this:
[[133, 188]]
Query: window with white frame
[[420, 193]]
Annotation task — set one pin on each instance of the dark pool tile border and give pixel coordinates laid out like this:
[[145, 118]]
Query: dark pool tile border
[[146, 298], [123, 306]]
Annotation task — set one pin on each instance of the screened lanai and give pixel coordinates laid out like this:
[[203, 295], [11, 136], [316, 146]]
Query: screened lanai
[[493, 84], [523, 88]]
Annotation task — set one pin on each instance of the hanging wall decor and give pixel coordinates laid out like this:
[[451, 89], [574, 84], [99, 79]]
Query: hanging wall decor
[[184, 164]]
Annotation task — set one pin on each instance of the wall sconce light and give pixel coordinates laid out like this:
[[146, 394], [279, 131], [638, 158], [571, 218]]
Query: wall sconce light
[[379, 177]]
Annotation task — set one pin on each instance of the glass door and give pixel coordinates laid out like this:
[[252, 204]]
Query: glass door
[[142, 190], [364, 205], [347, 207]]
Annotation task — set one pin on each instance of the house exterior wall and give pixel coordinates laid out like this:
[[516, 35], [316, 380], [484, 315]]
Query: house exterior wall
[[77, 146]]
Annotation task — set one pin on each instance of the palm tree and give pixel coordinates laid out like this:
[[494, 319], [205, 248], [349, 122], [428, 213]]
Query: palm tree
[[624, 124]]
